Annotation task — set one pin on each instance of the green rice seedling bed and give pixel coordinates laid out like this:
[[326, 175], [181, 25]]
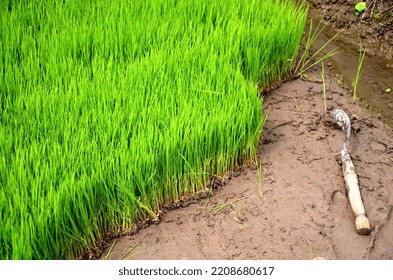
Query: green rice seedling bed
[[111, 109]]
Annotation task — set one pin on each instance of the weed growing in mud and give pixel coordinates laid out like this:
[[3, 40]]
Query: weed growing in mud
[[111, 110]]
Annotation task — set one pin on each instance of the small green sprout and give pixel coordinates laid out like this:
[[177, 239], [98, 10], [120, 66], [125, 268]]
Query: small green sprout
[[360, 7], [377, 16]]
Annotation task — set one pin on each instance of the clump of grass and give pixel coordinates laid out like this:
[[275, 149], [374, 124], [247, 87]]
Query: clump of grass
[[113, 108]]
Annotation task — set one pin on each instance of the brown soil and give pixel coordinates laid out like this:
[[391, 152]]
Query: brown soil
[[374, 27], [304, 212]]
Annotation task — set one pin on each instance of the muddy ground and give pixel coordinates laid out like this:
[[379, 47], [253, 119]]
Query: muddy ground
[[374, 26], [304, 212], [374, 37]]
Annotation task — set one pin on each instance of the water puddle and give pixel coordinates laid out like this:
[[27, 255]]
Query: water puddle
[[376, 73]]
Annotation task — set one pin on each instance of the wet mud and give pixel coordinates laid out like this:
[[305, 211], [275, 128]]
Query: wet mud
[[375, 85]]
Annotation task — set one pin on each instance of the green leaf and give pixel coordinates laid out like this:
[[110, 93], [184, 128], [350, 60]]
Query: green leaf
[[360, 7], [388, 90]]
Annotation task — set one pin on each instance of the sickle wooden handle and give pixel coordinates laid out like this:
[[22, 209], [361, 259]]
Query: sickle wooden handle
[[355, 199]]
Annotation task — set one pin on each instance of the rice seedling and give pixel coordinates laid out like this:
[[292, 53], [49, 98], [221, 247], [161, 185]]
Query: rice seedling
[[362, 54], [111, 109], [220, 206], [238, 213], [307, 60], [323, 86], [110, 250], [130, 250], [260, 181], [310, 250]]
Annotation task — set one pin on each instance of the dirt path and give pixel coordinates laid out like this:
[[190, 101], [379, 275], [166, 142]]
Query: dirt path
[[304, 212]]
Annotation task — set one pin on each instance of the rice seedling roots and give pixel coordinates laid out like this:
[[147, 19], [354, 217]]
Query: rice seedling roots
[[108, 241]]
